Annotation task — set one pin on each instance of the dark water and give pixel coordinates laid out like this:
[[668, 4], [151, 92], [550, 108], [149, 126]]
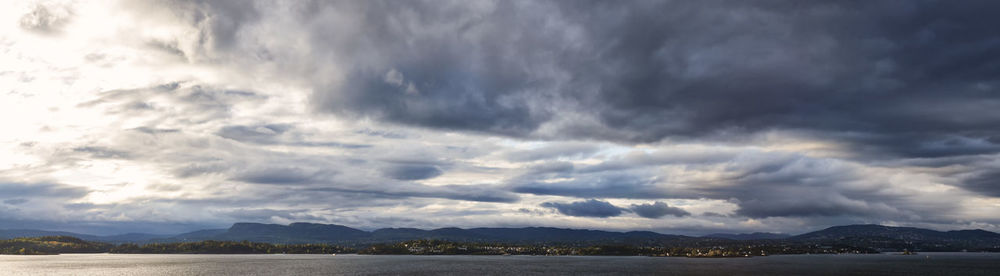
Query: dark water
[[885, 264]]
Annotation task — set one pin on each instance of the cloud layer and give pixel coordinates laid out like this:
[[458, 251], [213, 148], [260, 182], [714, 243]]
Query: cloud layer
[[672, 116]]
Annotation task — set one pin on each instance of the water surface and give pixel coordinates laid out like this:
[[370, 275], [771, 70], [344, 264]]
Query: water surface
[[882, 264]]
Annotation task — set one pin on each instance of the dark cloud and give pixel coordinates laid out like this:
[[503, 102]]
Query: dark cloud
[[15, 201], [457, 77], [382, 133], [561, 168], [986, 183], [588, 208], [283, 175], [103, 152], [483, 193], [411, 172], [17, 191], [199, 169], [807, 203], [798, 186], [760, 185], [912, 79], [261, 134], [153, 130], [405, 190], [169, 48], [713, 214], [657, 210]]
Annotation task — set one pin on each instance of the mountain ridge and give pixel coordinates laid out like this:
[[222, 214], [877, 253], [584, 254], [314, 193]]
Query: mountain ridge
[[749, 236], [862, 235], [910, 233]]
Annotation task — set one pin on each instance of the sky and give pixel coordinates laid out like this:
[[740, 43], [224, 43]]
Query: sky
[[679, 117]]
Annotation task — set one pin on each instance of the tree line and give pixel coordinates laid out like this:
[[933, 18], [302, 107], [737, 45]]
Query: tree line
[[63, 244]]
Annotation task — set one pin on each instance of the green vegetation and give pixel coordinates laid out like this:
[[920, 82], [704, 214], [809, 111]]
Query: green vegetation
[[50, 245]]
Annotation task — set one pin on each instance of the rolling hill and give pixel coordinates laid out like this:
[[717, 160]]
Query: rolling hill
[[885, 238]]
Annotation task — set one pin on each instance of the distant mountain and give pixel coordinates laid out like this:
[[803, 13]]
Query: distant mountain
[[403, 234], [977, 234], [293, 233], [903, 233], [31, 233], [199, 235], [750, 236], [879, 236], [884, 238], [129, 237], [299, 232], [48, 245], [338, 234]]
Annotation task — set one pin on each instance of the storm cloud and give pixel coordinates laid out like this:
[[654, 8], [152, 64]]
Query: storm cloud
[[646, 115], [657, 210], [411, 172], [588, 208], [987, 183], [647, 71]]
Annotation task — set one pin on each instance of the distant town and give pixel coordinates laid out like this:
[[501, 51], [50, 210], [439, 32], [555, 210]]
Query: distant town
[[304, 238]]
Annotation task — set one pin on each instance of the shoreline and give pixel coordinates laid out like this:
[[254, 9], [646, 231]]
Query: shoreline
[[512, 255]]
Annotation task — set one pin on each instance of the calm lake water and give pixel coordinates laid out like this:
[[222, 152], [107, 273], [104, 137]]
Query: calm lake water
[[884, 264]]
